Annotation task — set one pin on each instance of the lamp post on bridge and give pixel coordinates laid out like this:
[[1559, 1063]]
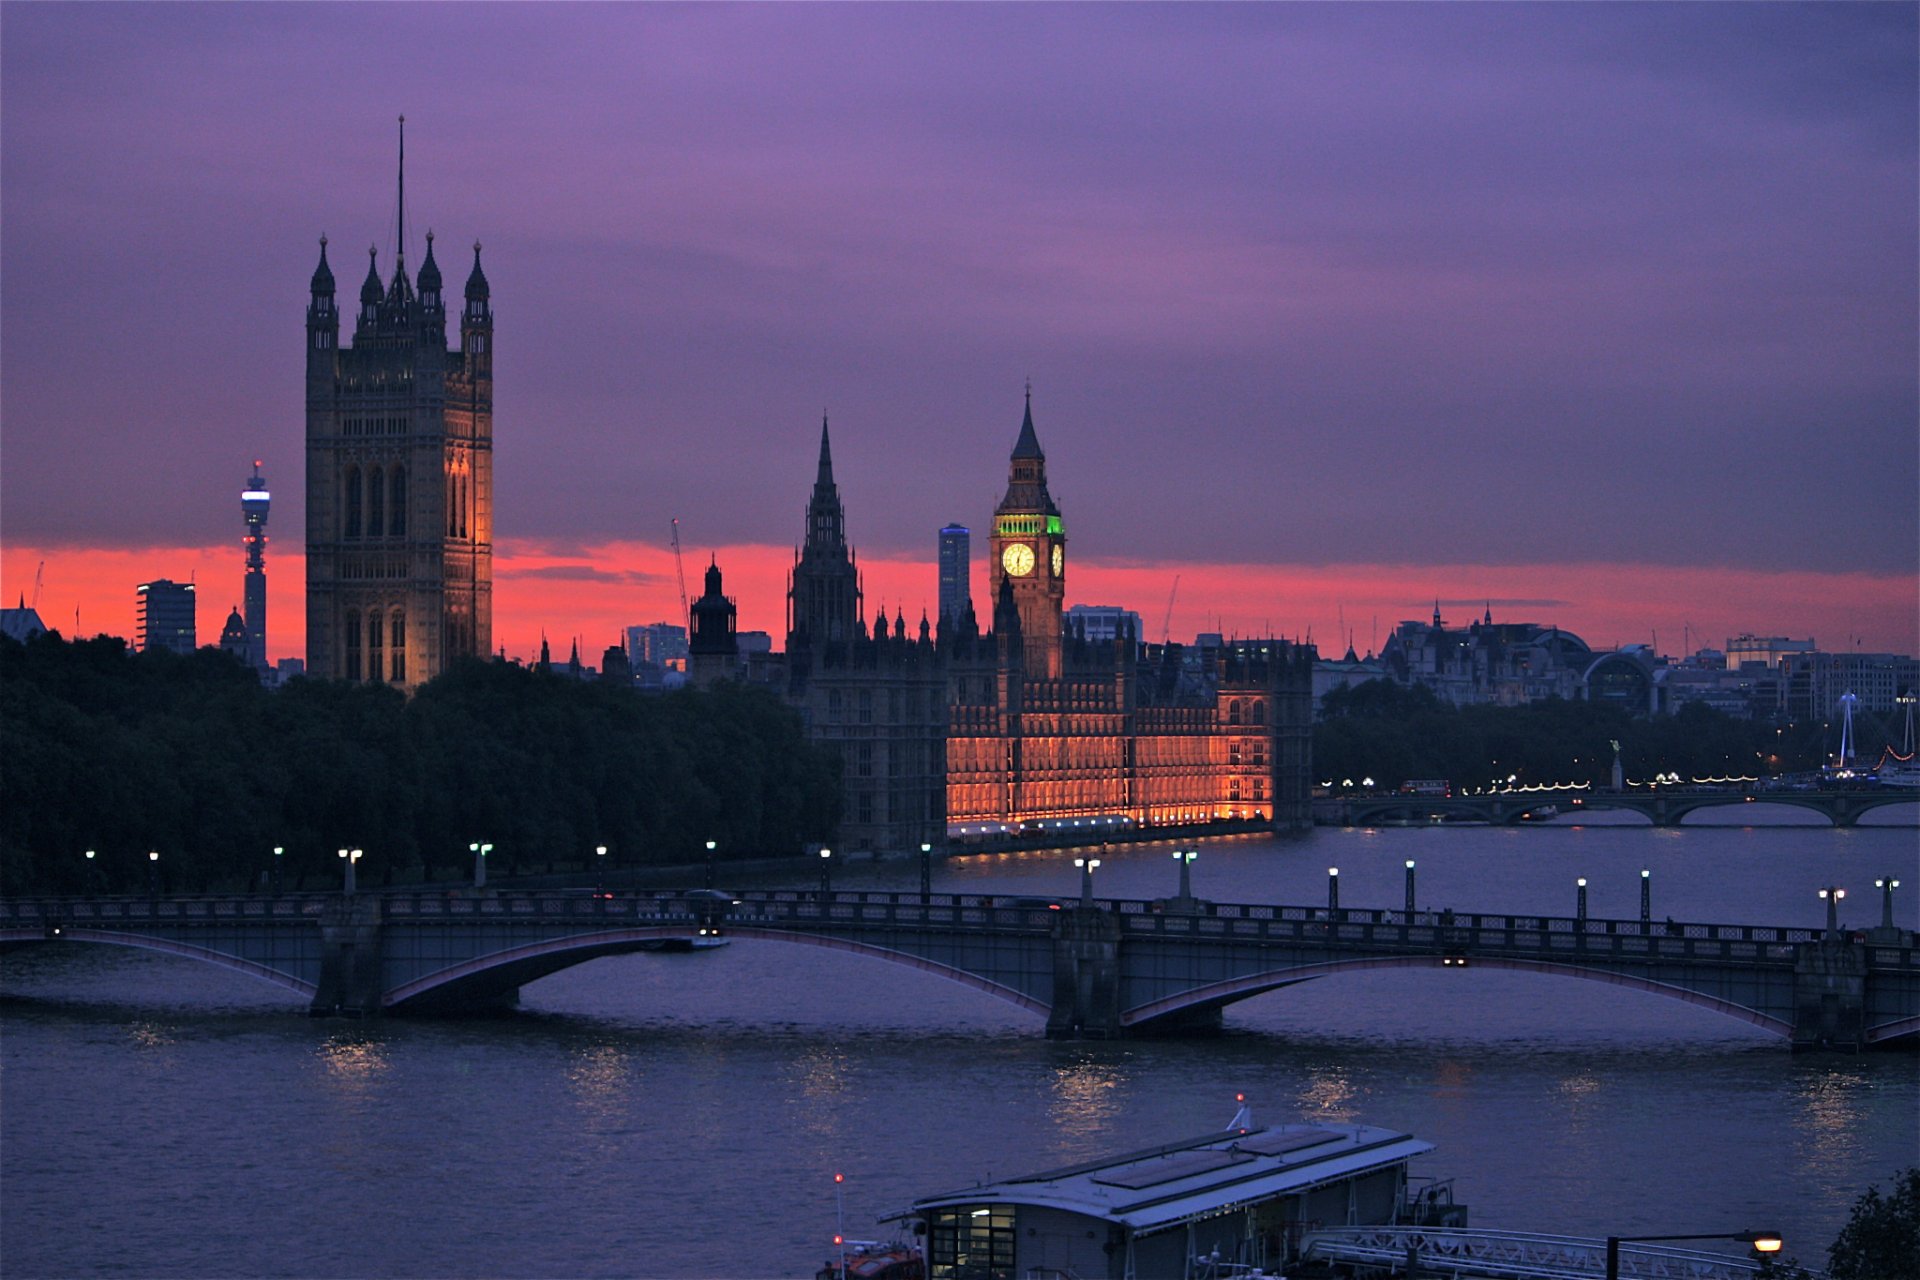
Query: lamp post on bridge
[[1646, 896], [1885, 884], [273, 870], [1333, 890], [480, 852], [1185, 858], [1832, 894], [351, 857], [926, 873], [153, 873], [826, 873], [600, 868], [1580, 899], [86, 872], [1086, 866], [1762, 1242], [711, 846], [1410, 907]]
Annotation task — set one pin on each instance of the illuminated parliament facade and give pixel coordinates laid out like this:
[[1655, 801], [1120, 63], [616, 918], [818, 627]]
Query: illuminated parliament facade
[[1028, 724]]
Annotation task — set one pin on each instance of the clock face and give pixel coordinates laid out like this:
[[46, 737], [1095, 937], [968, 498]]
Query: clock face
[[1017, 559], [1059, 559]]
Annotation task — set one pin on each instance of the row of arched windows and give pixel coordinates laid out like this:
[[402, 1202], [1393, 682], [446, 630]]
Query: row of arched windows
[[1254, 711], [376, 503], [378, 637]]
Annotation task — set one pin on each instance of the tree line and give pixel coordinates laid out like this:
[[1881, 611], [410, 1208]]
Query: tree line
[[1383, 731], [188, 756]]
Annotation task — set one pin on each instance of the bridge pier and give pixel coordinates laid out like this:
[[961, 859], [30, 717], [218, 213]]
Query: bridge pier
[[1829, 997], [1086, 976], [350, 968]]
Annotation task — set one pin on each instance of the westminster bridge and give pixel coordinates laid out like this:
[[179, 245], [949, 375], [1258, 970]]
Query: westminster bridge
[[1091, 968], [1661, 806]]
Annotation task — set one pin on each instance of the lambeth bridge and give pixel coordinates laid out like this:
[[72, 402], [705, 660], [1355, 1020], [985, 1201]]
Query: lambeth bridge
[[1663, 806], [1091, 969]]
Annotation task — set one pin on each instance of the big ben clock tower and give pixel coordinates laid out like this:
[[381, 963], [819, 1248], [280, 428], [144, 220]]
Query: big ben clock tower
[[1029, 549]]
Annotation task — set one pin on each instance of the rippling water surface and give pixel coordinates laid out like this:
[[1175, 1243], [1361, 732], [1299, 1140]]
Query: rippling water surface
[[664, 1115]]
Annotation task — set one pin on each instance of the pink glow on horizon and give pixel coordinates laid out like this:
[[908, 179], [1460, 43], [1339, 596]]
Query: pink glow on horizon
[[593, 592]]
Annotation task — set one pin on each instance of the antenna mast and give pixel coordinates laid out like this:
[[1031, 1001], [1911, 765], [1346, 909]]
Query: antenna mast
[[400, 245]]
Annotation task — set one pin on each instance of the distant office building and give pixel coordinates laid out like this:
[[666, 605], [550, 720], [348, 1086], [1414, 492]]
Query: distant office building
[[661, 643], [956, 570], [1812, 684], [1104, 623], [165, 616], [1765, 650], [255, 502], [399, 475]]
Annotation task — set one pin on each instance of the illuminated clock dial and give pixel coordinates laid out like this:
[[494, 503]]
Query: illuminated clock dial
[[1017, 559], [1059, 559]]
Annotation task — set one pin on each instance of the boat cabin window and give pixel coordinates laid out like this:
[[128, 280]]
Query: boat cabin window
[[970, 1244]]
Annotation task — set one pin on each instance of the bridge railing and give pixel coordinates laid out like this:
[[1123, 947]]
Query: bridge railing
[[1437, 932]]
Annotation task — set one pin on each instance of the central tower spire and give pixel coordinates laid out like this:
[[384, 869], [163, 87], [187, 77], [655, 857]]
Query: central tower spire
[[823, 597]]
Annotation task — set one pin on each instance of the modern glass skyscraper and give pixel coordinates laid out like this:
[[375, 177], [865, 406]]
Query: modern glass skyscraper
[[956, 567]]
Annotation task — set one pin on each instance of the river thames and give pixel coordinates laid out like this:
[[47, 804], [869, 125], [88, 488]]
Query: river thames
[[683, 1115]]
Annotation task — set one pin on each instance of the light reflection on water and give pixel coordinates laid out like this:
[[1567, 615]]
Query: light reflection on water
[[1085, 1099], [635, 1103]]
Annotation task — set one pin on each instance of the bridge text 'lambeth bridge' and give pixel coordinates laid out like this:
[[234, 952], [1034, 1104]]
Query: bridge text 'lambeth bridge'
[[1091, 969]]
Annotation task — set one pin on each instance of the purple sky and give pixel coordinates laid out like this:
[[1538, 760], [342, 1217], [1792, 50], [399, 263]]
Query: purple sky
[[1299, 284]]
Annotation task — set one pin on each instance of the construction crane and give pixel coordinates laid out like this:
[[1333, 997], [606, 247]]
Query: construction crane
[[1166, 625], [36, 583], [685, 610]]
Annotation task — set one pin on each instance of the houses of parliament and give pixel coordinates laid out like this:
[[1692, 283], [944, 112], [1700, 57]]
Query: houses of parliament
[[953, 729]]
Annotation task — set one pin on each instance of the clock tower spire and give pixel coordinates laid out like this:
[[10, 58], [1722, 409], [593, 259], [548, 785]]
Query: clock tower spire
[[1029, 549]]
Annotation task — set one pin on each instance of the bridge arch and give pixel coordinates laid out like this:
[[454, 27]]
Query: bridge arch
[[1219, 994], [165, 946], [494, 977]]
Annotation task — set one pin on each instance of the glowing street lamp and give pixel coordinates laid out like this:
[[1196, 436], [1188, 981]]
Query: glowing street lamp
[[1185, 858], [1333, 889], [273, 876], [711, 846], [600, 868], [153, 872], [351, 857], [1885, 884], [1833, 894], [1086, 866], [1646, 895], [1409, 890], [1580, 898], [1762, 1242], [826, 873], [480, 852], [926, 873]]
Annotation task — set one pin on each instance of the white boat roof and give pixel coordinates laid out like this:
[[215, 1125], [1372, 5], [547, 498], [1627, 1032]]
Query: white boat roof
[[1165, 1186]]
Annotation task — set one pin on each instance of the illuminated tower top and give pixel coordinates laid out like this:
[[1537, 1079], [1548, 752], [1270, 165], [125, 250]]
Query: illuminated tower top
[[254, 504]]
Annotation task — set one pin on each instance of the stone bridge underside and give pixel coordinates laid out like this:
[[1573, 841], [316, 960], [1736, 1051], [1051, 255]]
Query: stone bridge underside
[[1114, 968]]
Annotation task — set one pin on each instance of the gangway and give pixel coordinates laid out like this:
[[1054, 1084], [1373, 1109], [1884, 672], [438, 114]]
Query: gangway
[[1473, 1254]]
